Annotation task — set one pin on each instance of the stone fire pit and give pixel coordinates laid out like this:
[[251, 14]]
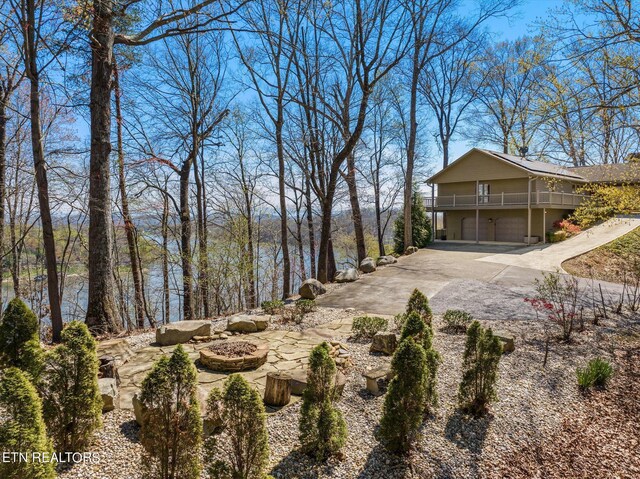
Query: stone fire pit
[[234, 355]]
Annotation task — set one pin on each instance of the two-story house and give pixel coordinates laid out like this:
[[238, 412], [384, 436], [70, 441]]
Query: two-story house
[[489, 196]]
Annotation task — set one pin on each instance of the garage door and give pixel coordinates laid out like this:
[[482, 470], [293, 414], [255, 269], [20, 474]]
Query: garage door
[[511, 230], [469, 229]]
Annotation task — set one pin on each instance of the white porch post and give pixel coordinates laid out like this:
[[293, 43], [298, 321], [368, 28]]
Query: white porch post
[[544, 225], [434, 225], [477, 213], [529, 212]]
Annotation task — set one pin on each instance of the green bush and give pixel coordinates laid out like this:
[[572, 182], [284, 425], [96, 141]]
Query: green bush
[[456, 321], [404, 406], [480, 370], [243, 452], [420, 225], [399, 320], [416, 329], [305, 306], [172, 428], [22, 428], [597, 373], [72, 404], [272, 307], [20, 340], [323, 431], [419, 303], [368, 326]]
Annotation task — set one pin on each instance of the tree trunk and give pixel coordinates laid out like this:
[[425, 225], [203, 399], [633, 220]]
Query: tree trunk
[[136, 273], [41, 173], [312, 235], [203, 259], [101, 308], [378, 212], [278, 389], [324, 275], [284, 230], [165, 259], [411, 147], [3, 172], [185, 239], [355, 208]]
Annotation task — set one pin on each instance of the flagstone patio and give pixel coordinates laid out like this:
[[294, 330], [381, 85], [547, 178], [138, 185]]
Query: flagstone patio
[[288, 351]]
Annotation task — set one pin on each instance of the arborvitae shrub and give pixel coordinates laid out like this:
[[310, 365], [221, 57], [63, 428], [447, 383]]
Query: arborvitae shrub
[[323, 431], [597, 373], [243, 452], [416, 328], [19, 339], [404, 404], [480, 370], [172, 428], [419, 303], [22, 428], [72, 404]]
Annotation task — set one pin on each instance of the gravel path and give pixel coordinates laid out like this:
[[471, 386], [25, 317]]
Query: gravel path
[[533, 404]]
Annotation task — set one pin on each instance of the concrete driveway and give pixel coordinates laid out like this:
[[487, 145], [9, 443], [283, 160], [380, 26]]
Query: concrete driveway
[[453, 276], [550, 257]]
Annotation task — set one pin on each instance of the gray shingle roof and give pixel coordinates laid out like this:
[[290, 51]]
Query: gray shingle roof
[[612, 173], [538, 167]]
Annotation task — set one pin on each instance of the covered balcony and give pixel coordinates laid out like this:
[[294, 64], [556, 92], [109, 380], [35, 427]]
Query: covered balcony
[[539, 199]]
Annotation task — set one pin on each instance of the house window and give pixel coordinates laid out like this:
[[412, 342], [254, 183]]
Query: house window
[[484, 190]]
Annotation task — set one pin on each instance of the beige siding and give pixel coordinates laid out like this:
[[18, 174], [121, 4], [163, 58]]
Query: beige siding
[[479, 166]]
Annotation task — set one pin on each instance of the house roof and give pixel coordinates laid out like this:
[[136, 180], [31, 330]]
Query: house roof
[[537, 168], [611, 173]]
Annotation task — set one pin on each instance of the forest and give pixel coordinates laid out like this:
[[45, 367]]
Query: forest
[[188, 159]]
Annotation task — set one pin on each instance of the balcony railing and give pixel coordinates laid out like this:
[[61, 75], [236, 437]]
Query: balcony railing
[[538, 198]]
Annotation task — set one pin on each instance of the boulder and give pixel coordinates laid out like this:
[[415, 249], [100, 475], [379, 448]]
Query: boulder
[[298, 382], [139, 409], [385, 343], [182, 331], [108, 368], [242, 323], [346, 275], [385, 260], [109, 392], [507, 339], [368, 265], [261, 322], [410, 250], [311, 289]]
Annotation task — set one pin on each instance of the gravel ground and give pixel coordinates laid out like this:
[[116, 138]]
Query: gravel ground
[[533, 405]]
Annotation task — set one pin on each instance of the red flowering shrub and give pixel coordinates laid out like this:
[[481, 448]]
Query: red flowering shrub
[[567, 226]]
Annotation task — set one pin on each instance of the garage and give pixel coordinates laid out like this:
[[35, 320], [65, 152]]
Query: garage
[[469, 229], [511, 229]]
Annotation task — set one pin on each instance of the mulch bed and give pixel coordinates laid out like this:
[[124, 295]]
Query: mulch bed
[[601, 440], [233, 349]]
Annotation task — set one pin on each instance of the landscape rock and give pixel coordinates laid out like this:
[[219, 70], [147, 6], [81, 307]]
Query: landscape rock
[[261, 323], [385, 343], [182, 331], [109, 392], [346, 275], [507, 339], [410, 250], [311, 288], [385, 260], [108, 368], [298, 382], [242, 324], [368, 265], [119, 349]]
